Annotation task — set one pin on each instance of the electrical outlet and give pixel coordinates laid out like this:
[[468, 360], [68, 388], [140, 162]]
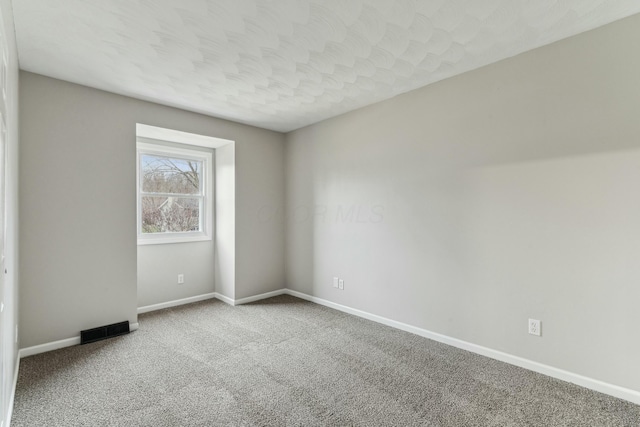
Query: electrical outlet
[[335, 282], [180, 279], [534, 327], [341, 284]]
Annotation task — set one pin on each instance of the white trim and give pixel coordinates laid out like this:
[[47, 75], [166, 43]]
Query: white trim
[[50, 346], [590, 383], [56, 345], [225, 299], [151, 146], [163, 134], [175, 303], [12, 397], [205, 196], [260, 297], [170, 238], [234, 302]]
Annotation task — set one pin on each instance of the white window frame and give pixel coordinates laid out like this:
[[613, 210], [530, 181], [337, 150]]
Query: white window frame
[[154, 147]]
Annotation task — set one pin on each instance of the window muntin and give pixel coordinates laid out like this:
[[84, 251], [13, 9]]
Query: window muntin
[[174, 194]]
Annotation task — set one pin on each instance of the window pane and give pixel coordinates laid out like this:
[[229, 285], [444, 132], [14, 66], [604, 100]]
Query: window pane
[[170, 214], [170, 175]]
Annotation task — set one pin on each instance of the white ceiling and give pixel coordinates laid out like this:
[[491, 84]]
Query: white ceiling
[[284, 64]]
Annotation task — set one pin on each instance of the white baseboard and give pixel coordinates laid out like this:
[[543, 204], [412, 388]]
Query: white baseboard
[[590, 383], [259, 297], [254, 298], [50, 346], [225, 299], [56, 345], [12, 398], [175, 303]]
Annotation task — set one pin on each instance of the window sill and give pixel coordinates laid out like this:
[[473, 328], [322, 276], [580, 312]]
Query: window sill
[[170, 239]]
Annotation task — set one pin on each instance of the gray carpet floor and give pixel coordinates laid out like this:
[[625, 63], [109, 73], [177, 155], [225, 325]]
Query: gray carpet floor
[[287, 362]]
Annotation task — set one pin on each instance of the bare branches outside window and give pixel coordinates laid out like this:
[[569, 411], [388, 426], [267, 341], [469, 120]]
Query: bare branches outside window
[[167, 184], [175, 195]]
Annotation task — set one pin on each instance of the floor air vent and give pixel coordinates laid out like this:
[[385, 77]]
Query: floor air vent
[[104, 332]]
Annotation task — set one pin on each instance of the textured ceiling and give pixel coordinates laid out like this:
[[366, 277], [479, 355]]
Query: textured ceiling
[[283, 64]]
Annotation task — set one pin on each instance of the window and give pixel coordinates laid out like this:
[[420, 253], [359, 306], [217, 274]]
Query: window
[[174, 193]]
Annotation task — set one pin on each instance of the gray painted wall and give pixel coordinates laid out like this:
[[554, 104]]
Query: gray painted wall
[[78, 204], [471, 205], [9, 295], [159, 266]]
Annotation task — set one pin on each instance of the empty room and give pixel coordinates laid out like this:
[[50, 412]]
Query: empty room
[[319, 213]]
